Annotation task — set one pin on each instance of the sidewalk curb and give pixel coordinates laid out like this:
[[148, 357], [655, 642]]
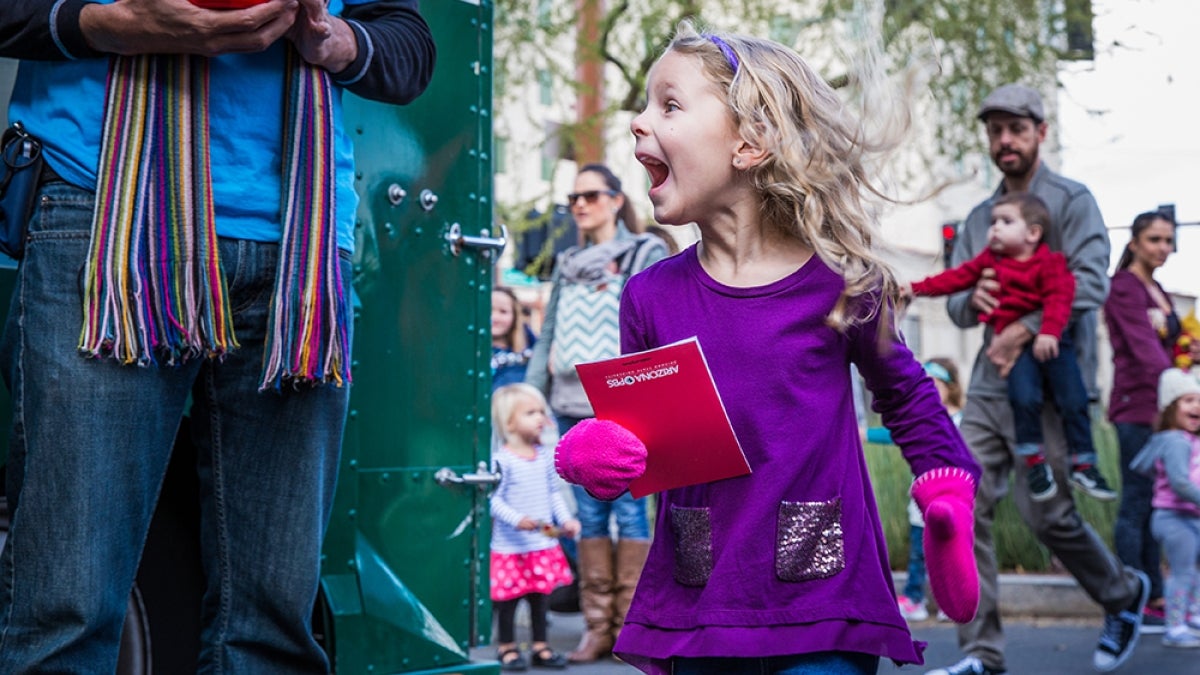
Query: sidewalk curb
[[1052, 596]]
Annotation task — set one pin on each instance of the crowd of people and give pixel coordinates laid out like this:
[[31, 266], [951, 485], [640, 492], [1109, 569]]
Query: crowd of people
[[213, 270], [1030, 263], [783, 570]]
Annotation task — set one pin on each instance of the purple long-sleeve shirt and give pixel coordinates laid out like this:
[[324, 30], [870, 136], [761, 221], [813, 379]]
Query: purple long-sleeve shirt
[[790, 559], [1140, 352]]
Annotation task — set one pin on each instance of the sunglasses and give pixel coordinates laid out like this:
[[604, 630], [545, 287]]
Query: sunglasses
[[590, 196]]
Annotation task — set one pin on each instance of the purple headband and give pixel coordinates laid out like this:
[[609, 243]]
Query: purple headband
[[725, 49]]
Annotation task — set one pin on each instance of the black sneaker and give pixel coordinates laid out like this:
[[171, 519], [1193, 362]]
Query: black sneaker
[[968, 666], [1041, 482], [1091, 481], [1121, 630]]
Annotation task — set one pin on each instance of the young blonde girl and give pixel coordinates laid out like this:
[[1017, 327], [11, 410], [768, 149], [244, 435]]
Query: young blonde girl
[[784, 570], [528, 514], [1172, 458]]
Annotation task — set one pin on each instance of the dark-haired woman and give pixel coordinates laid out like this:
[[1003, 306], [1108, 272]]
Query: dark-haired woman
[[1142, 326], [581, 325]]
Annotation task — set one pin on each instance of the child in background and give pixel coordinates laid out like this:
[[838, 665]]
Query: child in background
[[912, 601], [784, 568], [528, 514], [512, 341], [1172, 458], [1033, 278]]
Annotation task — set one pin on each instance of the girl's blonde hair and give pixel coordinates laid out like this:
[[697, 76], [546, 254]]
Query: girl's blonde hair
[[515, 336], [505, 398], [813, 181]]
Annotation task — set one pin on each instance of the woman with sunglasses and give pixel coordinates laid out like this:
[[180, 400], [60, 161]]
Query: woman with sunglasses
[[581, 325]]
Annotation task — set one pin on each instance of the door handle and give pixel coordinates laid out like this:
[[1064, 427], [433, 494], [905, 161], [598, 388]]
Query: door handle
[[458, 240], [481, 476]]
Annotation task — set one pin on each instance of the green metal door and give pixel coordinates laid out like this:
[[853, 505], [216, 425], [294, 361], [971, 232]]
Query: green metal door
[[405, 560]]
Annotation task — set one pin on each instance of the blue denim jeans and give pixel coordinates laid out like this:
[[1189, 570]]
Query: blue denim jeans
[[819, 663], [1134, 544], [595, 514], [914, 587], [1179, 534], [89, 448], [1028, 381]]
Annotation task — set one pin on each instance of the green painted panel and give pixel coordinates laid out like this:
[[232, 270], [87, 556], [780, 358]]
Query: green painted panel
[[422, 374]]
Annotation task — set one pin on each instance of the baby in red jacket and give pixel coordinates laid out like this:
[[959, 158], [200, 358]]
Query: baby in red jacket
[[1032, 278]]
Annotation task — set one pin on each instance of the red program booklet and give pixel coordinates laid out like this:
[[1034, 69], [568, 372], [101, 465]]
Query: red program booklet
[[667, 397]]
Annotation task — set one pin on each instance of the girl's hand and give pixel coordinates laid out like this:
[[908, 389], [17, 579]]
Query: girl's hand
[[571, 528], [600, 456], [946, 497], [527, 523]]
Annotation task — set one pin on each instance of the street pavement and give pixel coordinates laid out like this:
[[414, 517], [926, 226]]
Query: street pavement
[[1035, 647]]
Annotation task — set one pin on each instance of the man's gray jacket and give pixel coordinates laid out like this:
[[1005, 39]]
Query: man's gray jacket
[[1077, 230]]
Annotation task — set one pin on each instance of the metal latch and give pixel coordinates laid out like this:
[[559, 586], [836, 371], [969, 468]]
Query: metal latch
[[481, 476], [458, 240]]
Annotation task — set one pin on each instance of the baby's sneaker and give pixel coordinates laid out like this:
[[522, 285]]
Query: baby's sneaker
[[1088, 479], [1041, 482]]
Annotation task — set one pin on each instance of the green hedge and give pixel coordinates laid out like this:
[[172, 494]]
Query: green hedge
[[1016, 547]]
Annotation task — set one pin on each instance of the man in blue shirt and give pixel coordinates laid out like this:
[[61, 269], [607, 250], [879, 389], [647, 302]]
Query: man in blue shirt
[[192, 237]]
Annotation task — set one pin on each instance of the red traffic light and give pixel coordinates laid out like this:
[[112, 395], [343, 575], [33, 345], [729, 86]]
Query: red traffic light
[[949, 231]]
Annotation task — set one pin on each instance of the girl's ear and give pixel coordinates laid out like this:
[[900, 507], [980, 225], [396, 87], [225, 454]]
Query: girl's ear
[[747, 155]]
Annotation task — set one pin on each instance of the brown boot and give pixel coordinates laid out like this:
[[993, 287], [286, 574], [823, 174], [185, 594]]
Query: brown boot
[[631, 557], [595, 599]]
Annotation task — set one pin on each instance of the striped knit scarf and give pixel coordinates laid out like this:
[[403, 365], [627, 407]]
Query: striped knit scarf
[[153, 286]]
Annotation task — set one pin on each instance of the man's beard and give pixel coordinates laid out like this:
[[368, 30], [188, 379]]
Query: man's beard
[[1024, 165]]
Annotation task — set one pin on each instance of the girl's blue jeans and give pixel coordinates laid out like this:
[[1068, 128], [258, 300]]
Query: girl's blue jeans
[[819, 663], [89, 447]]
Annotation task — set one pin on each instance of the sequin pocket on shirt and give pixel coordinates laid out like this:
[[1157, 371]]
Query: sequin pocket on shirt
[[808, 543], [692, 528]]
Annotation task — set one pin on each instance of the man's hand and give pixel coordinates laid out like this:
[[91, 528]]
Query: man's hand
[[1007, 345], [323, 39], [179, 27], [983, 298], [1045, 347]]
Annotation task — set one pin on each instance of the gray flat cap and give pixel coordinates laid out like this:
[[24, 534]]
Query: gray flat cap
[[1015, 99]]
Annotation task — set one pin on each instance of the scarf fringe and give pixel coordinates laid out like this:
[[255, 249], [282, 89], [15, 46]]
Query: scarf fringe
[[307, 341], [154, 291]]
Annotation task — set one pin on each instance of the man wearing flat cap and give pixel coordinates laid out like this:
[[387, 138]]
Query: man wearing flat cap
[[1015, 120]]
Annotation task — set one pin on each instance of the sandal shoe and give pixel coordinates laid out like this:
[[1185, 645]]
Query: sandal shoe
[[515, 664], [548, 658]]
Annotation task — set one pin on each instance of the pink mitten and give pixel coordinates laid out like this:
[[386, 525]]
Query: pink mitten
[[946, 497], [601, 456]]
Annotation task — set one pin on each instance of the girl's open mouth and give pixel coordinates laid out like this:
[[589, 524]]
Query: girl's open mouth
[[657, 171]]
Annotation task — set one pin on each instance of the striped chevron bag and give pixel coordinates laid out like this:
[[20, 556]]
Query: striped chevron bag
[[586, 328], [586, 324]]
